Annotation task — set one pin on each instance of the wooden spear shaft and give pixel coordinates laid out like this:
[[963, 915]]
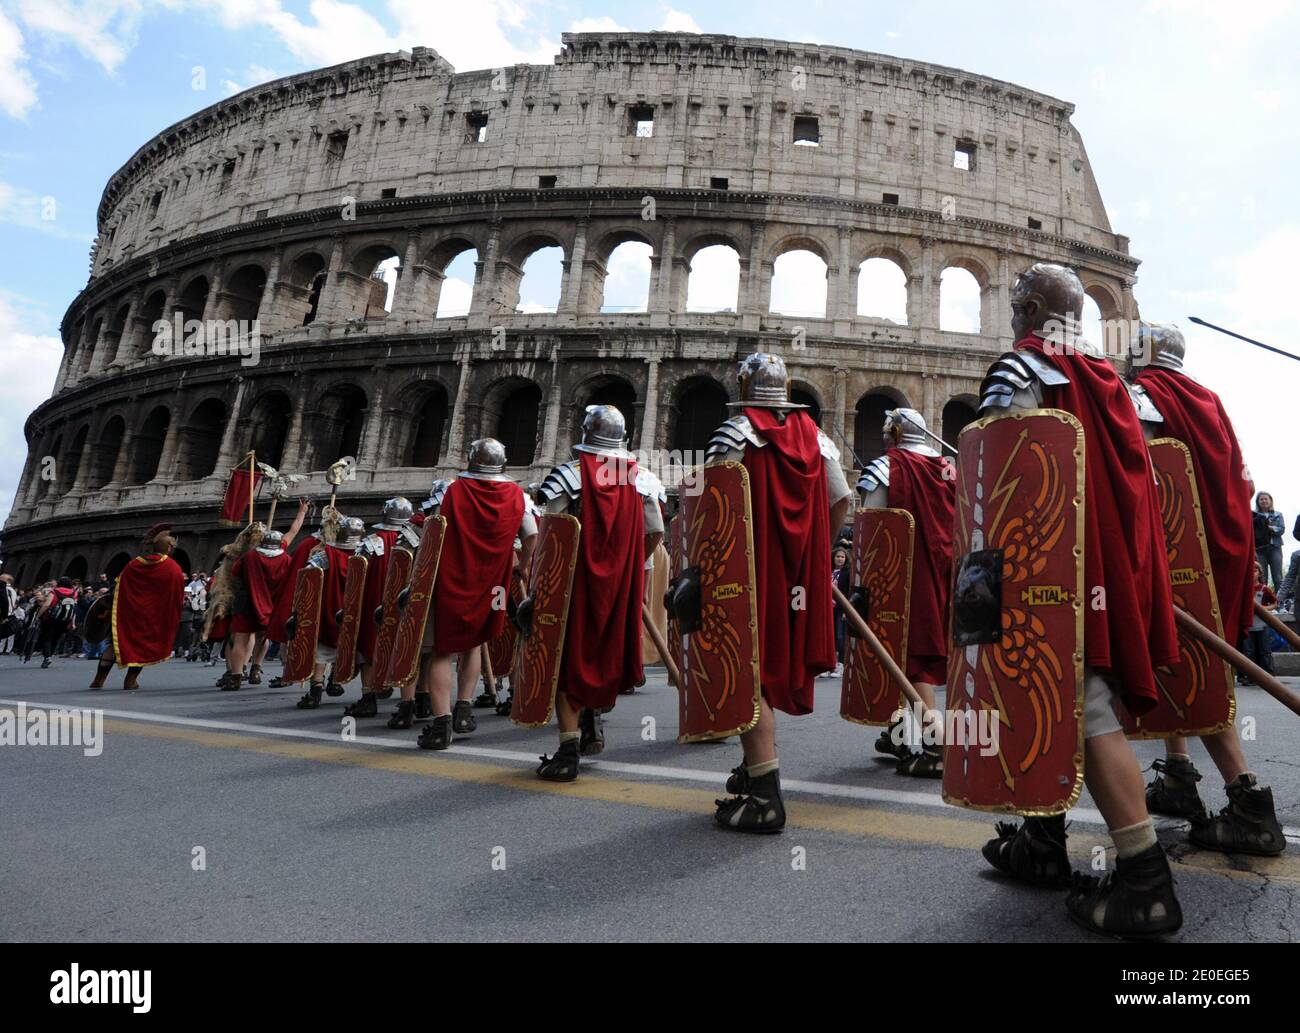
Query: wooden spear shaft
[[1238, 660], [674, 675], [1277, 624], [488, 676], [878, 648]]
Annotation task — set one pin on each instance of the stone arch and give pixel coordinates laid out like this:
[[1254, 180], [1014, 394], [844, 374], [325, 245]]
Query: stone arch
[[532, 277], [152, 310], [511, 411], [182, 559], [1102, 323], [77, 568], [883, 287], [243, 290], [801, 241], [147, 446], [200, 440], [117, 329], [869, 421], [107, 450], [43, 572], [457, 271], [269, 418], [961, 300], [73, 458], [91, 342], [804, 393], [959, 411], [300, 288], [713, 275], [374, 277], [337, 424], [800, 284], [604, 389], [192, 299], [422, 430], [55, 450], [698, 408], [620, 280], [116, 565]]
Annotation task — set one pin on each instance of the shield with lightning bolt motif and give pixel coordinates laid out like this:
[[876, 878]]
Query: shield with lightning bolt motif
[[388, 615], [414, 604], [349, 619], [1014, 736], [300, 650], [883, 540], [537, 667], [1196, 694], [721, 688]]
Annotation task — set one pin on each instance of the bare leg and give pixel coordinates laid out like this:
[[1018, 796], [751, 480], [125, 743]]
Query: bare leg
[[1225, 750], [566, 716], [1114, 779], [467, 673], [440, 683], [259, 654], [759, 743]]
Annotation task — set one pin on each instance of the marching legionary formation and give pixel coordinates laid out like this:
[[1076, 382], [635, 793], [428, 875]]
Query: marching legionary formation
[[1072, 576]]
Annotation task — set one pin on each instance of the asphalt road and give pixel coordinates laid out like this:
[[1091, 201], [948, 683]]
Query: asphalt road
[[221, 816]]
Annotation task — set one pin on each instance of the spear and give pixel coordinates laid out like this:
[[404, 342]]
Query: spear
[[1242, 663], [1242, 337]]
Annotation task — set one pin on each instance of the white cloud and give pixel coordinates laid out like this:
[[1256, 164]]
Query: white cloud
[[22, 207], [103, 30], [679, 21], [17, 87], [627, 278], [28, 365], [603, 24], [799, 285], [714, 280]]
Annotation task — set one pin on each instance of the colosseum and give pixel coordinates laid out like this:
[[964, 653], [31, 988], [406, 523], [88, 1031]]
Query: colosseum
[[285, 203]]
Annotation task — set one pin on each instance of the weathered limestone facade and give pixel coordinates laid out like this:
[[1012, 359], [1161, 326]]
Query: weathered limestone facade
[[277, 204]]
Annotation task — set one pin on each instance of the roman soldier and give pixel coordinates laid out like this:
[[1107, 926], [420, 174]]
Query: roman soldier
[[395, 528], [914, 477], [1128, 608], [332, 558], [798, 492], [146, 609], [258, 576], [485, 512], [617, 504], [277, 629], [1171, 404]]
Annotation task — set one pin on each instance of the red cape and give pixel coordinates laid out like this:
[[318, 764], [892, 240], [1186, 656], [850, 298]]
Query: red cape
[[275, 628], [147, 610], [331, 601], [376, 575], [926, 488], [264, 577], [602, 644], [1195, 416], [792, 550], [1129, 626], [477, 554]]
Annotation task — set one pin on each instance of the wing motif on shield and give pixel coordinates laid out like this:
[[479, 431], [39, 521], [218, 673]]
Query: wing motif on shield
[[714, 528]]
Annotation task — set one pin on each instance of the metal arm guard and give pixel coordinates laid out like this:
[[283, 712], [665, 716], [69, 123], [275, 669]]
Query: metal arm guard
[[875, 475]]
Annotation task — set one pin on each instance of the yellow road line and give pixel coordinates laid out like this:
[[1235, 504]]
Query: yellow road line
[[863, 822]]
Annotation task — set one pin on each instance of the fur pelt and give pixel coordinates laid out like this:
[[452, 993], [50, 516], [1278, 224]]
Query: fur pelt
[[222, 595]]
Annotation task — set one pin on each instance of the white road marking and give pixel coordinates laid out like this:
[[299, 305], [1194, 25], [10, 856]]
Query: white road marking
[[1080, 815]]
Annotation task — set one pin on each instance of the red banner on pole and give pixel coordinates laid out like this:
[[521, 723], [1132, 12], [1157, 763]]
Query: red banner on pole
[[238, 495]]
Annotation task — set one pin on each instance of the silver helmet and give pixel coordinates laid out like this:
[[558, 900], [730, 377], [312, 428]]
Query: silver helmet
[[1161, 344], [764, 383], [603, 432], [487, 460], [906, 428], [272, 541], [397, 514], [351, 531]]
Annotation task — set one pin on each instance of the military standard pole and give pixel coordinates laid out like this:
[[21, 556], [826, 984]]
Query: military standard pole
[[1238, 660], [674, 675], [1279, 625], [881, 653]]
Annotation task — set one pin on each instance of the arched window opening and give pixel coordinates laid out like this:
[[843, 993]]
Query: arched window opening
[[627, 278], [244, 293], [147, 446], [614, 391], [956, 415], [201, 442], [799, 285], [426, 439], [882, 291], [72, 460], [804, 397], [959, 301], [701, 408], [457, 292], [270, 419], [339, 425], [516, 425], [869, 425], [713, 283], [107, 450], [540, 280]]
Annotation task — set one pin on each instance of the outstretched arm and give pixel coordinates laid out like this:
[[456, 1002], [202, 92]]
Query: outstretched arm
[[296, 526]]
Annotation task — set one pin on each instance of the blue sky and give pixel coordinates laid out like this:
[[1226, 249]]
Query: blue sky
[[1188, 109]]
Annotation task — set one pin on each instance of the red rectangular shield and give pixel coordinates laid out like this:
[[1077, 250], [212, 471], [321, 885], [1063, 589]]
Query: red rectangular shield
[[300, 650], [404, 666], [396, 579], [501, 649], [354, 591], [721, 686], [537, 667], [1020, 517], [883, 543], [676, 546], [1197, 696]]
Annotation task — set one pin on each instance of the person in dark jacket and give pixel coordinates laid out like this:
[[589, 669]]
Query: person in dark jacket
[[1269, 527]]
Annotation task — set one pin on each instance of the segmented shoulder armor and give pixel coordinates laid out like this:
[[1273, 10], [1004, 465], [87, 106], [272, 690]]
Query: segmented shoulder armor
[[565, 479], [1016, 371], [735, 435], [874, 475], [1146, 409]]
